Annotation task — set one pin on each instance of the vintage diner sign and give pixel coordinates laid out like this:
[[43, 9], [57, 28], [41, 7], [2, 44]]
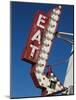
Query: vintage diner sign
[[38, 48]]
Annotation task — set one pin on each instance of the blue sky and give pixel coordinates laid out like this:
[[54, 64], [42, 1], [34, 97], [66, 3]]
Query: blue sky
[[22, 15]]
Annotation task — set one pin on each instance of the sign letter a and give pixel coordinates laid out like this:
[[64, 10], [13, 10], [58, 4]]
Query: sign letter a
[[37, 36]]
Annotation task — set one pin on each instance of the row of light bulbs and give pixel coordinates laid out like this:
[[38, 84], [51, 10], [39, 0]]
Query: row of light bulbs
[[45, 49]]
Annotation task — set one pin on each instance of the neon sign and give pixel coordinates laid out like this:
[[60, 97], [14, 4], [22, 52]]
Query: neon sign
[[38, 48]]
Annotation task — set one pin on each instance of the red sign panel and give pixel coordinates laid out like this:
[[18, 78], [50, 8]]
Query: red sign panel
[[32, 48]]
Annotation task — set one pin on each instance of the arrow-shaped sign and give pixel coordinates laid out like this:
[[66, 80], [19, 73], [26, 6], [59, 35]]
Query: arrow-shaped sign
[[38, 48]]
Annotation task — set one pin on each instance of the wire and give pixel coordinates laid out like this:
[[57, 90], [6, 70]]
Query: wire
[[62, 61], [67, 40]]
